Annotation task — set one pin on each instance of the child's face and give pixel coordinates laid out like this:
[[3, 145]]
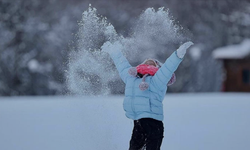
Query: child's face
[[150, 62]]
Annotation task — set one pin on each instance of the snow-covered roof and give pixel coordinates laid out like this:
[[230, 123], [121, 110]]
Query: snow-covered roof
[[238, 51]]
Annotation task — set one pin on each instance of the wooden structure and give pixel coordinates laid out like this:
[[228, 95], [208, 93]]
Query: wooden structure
[[236, 60]]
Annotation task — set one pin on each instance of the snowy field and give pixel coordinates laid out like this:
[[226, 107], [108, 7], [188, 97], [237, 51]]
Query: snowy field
[[192, 122]]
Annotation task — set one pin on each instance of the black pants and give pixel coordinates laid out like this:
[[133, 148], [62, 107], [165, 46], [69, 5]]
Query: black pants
[[147, 134]]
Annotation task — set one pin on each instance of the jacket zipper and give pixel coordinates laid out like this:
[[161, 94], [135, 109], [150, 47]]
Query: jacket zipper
[[132, 102]]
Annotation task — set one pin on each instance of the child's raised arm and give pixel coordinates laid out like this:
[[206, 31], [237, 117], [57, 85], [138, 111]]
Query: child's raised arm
[[164, 74], [121, 63]]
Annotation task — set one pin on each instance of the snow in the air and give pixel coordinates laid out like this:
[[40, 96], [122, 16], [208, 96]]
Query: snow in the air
[[195, 52], [91, 71]]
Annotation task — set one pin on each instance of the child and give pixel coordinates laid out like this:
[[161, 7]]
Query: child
[[145, 89]]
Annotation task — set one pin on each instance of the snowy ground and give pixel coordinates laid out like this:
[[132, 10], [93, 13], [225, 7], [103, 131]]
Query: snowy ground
[[192, 122]]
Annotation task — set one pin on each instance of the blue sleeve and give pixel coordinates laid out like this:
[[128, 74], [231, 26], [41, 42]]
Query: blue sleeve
[[121, 64], [164, 74]]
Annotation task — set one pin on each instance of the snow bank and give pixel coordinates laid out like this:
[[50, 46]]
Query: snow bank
[[192, 122]]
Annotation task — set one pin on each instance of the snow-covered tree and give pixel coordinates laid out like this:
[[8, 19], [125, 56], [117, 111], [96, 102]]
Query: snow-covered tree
[[33, 46]]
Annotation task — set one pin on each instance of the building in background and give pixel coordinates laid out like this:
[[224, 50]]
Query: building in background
[[236, 59]]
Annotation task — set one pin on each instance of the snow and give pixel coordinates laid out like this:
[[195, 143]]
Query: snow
[[192, 122], [195, 52], [35, 66], [237, 51], [150, 34]]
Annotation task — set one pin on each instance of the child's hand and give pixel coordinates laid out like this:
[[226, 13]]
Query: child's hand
[[186, 45], [106, 46], [111, 47], [181, 51]]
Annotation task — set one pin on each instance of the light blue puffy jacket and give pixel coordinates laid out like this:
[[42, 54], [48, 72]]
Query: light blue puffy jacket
[[145, 104]]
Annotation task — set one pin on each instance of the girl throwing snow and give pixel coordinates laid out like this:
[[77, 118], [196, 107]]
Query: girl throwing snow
[[145, 89]]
